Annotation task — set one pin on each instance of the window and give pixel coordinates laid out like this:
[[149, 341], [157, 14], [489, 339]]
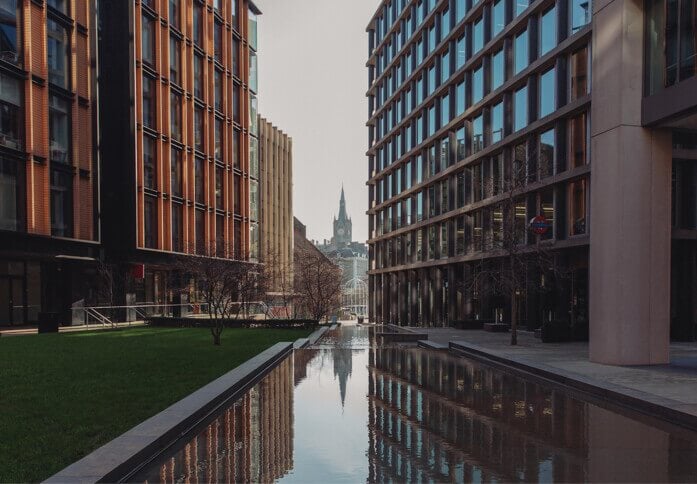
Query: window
[[578, 153], [175, 116], [254, 200], [59, 129], [547, 93], [577, 207], [174, 13], [198, 76], [460, 146], [497, 122], [521, 109], [497, 172], [11, 193], [219, 175], [477, 181], [420, 206], [57, 47], [150, 222], [444, 197], [174, 60], [581, 11], [200, 180], [443, 252], [497, 226], [579, 73], [149, 108], [236, 57], [253, 82], [148, 41], [236, 148], [461, 52], [477, 231], [520, 6], [498, 70], [198, 24], [200, 232], [445, 153], [149, 163], [432, 80], [460, 99], [445, 110], [460, 10], [518, 173], [9, 31], [547, 210], [253, 157], [10, 112], [478, 84], [478, 35], [432, 121], [218, 87], [176, 172], [218, 41], [218, 153], [199, 119], [432, 241], [478, 133], [61, 203], [236, 193], [498, 17], [548, 30], [177, 226], [445, 67], [546, 158], [521, 51], [445, 23], [252, 30], [253, 119]]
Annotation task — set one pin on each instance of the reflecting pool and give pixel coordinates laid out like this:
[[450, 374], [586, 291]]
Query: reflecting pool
[[348, 410]]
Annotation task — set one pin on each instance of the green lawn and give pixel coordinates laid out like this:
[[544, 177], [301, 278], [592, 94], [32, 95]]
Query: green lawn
[[64, 395]]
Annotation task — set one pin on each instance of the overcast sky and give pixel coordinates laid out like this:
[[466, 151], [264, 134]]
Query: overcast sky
[[312, 84]]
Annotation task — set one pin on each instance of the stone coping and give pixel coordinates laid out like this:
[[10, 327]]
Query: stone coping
[[316, 335], [654, 406], [431, 345], [116, 459]]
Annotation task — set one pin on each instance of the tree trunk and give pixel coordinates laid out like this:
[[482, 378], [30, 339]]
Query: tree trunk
[[514, 319]]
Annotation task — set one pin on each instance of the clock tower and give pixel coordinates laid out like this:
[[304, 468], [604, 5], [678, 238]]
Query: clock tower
[[342, 225]]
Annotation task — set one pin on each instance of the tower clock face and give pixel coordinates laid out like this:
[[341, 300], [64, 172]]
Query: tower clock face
[[340, 231]]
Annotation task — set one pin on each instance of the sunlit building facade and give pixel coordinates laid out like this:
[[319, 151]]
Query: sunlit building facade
[[463, 94], [49, 175], [181, 167]]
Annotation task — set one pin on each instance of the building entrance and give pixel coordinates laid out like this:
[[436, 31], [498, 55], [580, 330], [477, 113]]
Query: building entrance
[[12, 303]]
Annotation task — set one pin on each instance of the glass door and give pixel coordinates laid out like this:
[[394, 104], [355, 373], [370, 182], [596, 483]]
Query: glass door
[[12, 305]]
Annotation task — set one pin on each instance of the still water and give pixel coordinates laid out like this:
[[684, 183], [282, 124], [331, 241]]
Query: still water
[[348, 410]]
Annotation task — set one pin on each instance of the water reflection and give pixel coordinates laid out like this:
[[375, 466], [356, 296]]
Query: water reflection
[[348, 410]]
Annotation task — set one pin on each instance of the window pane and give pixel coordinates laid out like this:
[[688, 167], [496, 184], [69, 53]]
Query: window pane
[[521, 51], [478, 133], [498, 72], [9, 31], [200, 180], [148, 40], [577, 205], [177, 227], [59, 129], [150, 222], [198, 77], [548, 30], [546, 158], [577, 141], [477, 85], [149, 108], [498, 17], [497, 122], [253, 157], [11, 193], [175, 116], [176, 172], [521, 108], [580, 14], [10, 112], [478, 33], [174, 60], [57, 48], [547, 93], [460, 99], [579, 73], [149, 163], [253, 83], [61, 203], [461, 52], [520, 6]]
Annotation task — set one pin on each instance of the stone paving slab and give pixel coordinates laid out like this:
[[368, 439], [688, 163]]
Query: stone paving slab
[[673, 385]]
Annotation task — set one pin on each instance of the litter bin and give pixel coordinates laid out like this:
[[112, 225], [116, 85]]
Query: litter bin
[[49, 322]]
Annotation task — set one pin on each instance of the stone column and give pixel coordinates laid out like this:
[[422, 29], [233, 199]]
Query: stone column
[[630, 205]]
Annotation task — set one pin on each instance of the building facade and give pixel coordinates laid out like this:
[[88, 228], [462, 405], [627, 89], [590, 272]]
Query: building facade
[[49, 176], [465, 94], [181, 169], [276, 204]]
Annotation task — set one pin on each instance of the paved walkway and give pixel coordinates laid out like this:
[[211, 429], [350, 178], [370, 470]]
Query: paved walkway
[[673, 385]]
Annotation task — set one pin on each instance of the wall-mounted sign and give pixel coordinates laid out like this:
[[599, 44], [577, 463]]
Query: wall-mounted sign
[[539, 225]]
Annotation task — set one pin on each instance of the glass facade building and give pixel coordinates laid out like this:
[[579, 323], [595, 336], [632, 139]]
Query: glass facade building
[[464, 96]]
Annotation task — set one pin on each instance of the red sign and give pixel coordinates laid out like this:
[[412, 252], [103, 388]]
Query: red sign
[[539, 225], [138, 271]]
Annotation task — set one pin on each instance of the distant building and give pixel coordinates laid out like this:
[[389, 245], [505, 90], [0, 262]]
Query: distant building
[[352, 257]]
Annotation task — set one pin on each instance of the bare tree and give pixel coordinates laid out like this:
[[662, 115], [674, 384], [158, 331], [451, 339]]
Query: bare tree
[[227, 286], [510, 250], [317, 283], [278, 277]]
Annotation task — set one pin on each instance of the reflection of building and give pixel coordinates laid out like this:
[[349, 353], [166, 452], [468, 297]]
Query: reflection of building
[[276, 198], [477, 91], [182, 177], [251, 441], [342, 359], [49, 176], [436, 417]]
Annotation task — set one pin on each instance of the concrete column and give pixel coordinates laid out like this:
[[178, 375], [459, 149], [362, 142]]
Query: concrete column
[[630, 203]]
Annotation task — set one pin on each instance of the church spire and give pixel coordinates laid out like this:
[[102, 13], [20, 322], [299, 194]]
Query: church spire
[[342, 205]]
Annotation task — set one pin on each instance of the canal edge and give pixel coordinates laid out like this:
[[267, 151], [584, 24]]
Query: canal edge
[[642, 403], [124, 455]]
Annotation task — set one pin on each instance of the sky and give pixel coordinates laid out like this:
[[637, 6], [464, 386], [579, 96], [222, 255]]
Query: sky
[[312, 85]]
